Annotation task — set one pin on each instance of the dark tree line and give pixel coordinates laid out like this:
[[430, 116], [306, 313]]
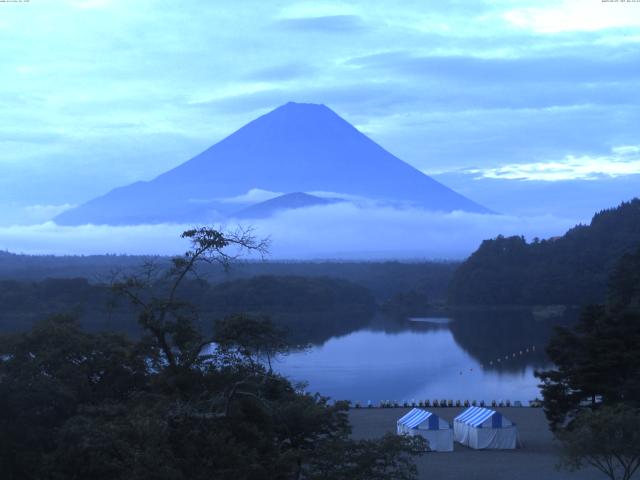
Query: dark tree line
[[572, 269], [311, 308], [382, 279]]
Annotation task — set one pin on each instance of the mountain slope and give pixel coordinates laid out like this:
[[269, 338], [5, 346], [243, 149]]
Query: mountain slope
[[294, 148], [572, 269], [288, 201]]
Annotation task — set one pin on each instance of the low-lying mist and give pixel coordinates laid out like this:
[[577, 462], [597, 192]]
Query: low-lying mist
[[337, 231]]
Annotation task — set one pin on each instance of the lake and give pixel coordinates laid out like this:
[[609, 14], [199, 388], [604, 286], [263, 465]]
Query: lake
[[471, 356]]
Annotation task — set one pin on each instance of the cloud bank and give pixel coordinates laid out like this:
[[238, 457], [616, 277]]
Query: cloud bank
[[337, 231]]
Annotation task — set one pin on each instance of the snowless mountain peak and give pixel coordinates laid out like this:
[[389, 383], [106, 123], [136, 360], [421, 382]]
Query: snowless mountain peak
[[297, 147]]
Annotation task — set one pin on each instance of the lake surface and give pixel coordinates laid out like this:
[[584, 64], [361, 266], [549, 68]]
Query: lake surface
[[479, 356]]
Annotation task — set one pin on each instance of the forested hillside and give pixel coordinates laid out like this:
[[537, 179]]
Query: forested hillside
[[383, 279], [572, 269], [310, 309]]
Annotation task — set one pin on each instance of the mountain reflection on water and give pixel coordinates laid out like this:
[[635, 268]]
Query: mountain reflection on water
[[475, 355]]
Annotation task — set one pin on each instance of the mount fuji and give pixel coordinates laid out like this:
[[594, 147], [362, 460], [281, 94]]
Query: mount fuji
[[296, 148]]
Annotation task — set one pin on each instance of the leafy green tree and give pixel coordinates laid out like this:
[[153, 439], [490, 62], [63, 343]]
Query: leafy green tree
[[597, 361], [171, 324], [389, 457], [175, 405], [607, 439], [592, 397], [257, 340], [46, 377], [624, 293]]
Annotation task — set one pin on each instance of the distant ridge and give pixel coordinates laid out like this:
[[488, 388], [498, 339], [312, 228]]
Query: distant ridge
[[294, 148], [288, 201]]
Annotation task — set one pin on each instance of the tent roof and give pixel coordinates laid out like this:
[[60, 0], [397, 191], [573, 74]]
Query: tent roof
[[415, 417], [475, 416]]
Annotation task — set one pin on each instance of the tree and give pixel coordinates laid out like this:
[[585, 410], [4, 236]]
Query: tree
[[170, 322], [607, 438], [624, 293], [592, 396], [597, 362], [50, 374], [572, 269], [389, 457], [256, 340], [173, 405]]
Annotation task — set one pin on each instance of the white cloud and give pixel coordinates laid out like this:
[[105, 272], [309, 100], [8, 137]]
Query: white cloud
[[254, 195], [208, 95], [358, 200], [575, 15], [623, 160], [49, 238], [41, 213], [317, 9], [335, 231], [16, 214], [626, 150], [344, 230]]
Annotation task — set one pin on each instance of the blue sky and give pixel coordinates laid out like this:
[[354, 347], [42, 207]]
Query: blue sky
[[100, 93]]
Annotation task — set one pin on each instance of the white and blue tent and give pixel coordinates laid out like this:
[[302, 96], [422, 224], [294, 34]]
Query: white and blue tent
[[482, 428], [436, 431]]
